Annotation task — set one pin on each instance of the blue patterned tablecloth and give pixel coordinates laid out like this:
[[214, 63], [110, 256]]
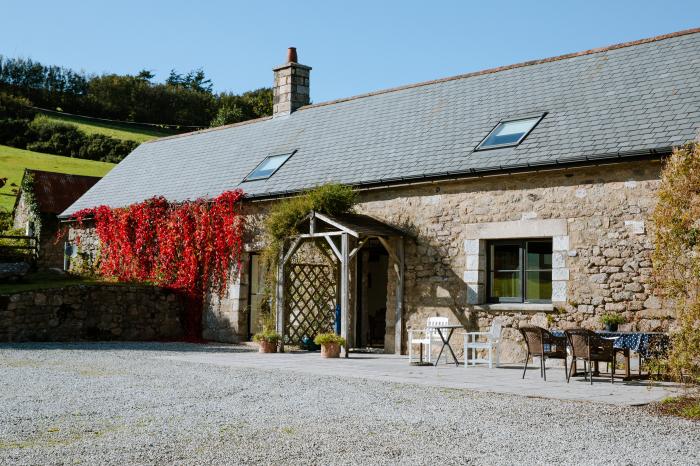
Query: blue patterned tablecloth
[[648, 344]]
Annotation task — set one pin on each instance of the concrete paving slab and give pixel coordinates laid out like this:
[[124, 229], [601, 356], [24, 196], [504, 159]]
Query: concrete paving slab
[[396, 369]]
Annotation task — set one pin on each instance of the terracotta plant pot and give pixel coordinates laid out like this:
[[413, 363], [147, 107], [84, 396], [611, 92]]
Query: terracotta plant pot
[[267, 347], [330, 350]]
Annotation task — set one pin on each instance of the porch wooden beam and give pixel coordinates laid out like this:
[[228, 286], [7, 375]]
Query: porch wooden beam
[[345, 292], [336, 224], [320, 235], [279, 299], [398, 322], [357, 249], [389, 248], [292, 249], [335, 248]]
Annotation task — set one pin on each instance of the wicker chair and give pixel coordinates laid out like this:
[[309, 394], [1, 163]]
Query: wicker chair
[[544, 345], [592, 348]]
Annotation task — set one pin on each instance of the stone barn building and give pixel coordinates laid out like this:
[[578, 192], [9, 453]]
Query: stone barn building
[[520, 193], [42, 197]]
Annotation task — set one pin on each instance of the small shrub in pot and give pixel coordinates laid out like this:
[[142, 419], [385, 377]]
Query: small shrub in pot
[[611, 321], [330, 344], [267, 341]]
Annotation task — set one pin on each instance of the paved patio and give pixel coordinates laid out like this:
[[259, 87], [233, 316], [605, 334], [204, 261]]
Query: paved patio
[[393, 368]]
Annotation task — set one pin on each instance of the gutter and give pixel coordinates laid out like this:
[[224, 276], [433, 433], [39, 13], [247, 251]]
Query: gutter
[[458, 175]]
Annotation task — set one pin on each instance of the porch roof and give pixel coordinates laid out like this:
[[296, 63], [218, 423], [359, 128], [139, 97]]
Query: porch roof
[[357, 225], [360, 226]]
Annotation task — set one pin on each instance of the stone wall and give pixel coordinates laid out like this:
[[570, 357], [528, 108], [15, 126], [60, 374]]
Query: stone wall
[[225, 317], [85, 249], [596, 217], [22, 213], [91, 312]]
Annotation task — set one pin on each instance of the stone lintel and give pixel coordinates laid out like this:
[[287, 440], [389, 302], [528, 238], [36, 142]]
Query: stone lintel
[[516, 229]]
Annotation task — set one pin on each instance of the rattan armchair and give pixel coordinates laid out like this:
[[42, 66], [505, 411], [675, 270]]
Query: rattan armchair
[[544, 345], [592, 348]]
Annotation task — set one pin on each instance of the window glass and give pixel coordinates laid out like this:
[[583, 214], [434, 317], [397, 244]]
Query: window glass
[[539, 255], [509, 133], [539, 286], [520, 271], [506, 274], [267, 167], [539, 270]]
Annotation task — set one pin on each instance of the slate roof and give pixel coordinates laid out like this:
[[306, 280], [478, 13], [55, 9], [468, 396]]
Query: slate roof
[[55, 192], [635, 98]]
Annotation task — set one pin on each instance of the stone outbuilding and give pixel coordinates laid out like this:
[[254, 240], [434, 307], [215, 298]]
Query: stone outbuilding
[[521, 193], [41, 197]]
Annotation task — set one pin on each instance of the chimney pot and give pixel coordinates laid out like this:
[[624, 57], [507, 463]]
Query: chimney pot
[[292, 55]]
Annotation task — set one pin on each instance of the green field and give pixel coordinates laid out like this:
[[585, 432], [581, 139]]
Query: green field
[[116, 130], [14, 161]]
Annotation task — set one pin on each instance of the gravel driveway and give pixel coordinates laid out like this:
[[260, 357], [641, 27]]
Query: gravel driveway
[[125, 404]]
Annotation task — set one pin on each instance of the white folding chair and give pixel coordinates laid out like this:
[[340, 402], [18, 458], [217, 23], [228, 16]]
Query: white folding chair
[[490, 341], [425, 338]]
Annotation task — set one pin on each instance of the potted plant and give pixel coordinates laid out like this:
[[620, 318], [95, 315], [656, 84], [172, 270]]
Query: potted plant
[[611, 321], [267, 341], [330, 344]]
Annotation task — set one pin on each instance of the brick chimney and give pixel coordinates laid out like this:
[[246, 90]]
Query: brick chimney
[[291, 87]]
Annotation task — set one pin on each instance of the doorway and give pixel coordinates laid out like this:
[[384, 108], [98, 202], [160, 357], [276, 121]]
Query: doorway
[[372, 295]]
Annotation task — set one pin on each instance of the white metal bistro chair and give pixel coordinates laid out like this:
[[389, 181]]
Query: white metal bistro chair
[[490, 341], [425, 339]]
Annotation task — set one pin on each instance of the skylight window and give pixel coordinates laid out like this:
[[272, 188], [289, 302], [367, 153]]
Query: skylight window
[[509, 133], [268, 167]]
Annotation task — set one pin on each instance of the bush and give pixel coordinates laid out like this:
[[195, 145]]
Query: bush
[[329, 338], [676, 257], [329, 199], [52, 137], [269, 336], [58, 138], [227, 115], [13, 132], [15, 107], [612, 319], [105, 148], [5, 220]]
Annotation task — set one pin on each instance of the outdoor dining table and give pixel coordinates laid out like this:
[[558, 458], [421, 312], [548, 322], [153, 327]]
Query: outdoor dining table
[[646, 344], [450, 328]]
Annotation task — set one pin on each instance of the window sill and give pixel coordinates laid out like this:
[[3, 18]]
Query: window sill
[[519, 307]]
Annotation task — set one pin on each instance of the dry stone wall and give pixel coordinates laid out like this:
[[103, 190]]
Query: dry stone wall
[[91, 312]]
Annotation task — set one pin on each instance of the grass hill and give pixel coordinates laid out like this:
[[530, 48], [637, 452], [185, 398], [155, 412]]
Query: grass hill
[[14, 161], [131, 132]]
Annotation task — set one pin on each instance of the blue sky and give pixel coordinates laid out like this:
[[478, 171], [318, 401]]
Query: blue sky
[[353, 46]]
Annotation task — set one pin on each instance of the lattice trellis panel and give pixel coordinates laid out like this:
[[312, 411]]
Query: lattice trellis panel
[[310, 300]]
